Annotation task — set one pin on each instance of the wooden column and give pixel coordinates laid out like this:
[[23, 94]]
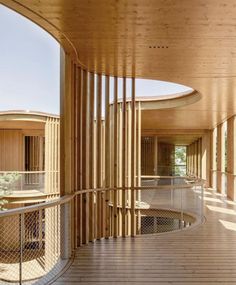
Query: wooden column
[[221, 158], [213, 158], [124, 159], [195, 157], [115, 149], [155, 155], [199, 157], [231, 158], [67, 154], [205, 158], [78, 152], [133, 156], [91, 158], [99, 154], [138, 163], [107, 156], [67, 125], [85, 158]]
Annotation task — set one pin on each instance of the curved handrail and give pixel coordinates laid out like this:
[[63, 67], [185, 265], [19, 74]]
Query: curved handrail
[[44, 205], [67, 198]]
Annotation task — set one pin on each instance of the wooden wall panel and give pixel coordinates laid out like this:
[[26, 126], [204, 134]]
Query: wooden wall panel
[[231, 158], [11, 150], [147, 155], [52, 154], [165, 159]]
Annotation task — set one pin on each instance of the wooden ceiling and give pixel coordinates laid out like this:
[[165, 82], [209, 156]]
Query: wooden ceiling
[[192, 42]]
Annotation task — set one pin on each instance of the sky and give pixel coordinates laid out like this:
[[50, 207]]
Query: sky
[[30, 68]]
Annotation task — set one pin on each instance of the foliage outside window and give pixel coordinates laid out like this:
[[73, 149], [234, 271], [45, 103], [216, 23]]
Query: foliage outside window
[[6, 182], [180, 160]]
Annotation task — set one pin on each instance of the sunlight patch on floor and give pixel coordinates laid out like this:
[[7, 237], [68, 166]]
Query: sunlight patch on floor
[[228, 225], [221, 210], [211, 199]]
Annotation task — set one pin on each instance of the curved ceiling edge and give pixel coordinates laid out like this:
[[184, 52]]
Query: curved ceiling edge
[[169, 101], [47, 26]]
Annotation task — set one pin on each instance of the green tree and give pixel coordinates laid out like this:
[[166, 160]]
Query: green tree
[[6, 182], [180, 160]]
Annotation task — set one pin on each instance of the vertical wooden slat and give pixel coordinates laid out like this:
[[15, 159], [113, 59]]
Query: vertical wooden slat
[[120, 115], [85, 162], [219, 156], [115, 143], [99, 153], [128, 167], [133, 152], [107, 153], [124, 160], [79, 156], [91, 157], [103, 183], [67, 144], [138, 166]]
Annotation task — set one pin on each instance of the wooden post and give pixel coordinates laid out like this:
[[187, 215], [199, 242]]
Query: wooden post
[[115, 118], [155, 155], [80, 161], [107, 155], [213, 159], [85, 159], [99, 154], [91, 156], [124, 160], [67, 155], [133, 155], [231, 158], [199, 157], [219, 157], [205, 158], [138, 164]]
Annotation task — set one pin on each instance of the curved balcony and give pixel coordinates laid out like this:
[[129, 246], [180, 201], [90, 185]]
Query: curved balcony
[[39, 244]]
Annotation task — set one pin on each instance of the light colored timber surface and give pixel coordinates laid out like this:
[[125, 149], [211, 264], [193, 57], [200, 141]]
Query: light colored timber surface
[[205, 254], [188, 42]]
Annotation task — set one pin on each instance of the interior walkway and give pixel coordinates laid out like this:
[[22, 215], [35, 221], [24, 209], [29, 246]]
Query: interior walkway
[[205, 254]]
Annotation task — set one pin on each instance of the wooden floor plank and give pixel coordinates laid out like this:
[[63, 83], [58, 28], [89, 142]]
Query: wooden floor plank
[[205, 254]]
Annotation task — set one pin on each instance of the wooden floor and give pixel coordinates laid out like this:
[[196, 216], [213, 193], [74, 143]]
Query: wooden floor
[[205, 254]]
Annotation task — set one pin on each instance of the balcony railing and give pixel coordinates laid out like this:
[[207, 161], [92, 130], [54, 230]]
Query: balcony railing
[[37, 242], [166, 207], [27, 180]]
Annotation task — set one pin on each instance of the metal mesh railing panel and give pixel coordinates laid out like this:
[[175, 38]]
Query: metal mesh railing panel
[[171, 208], [30, 246]]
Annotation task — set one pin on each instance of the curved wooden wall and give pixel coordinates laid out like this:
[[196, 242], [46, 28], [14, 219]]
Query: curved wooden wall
[[99, 149]]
